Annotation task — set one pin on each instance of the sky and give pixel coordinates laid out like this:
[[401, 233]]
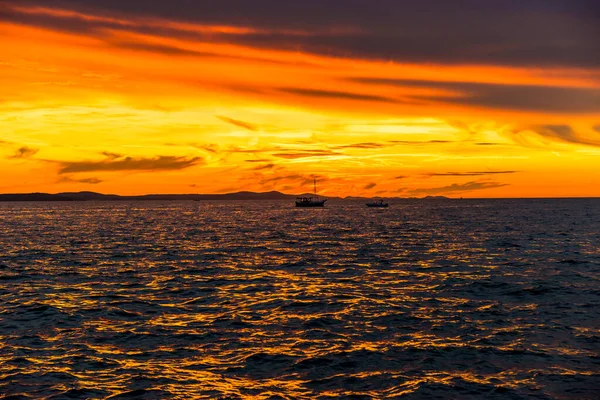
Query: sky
[[387, 98]]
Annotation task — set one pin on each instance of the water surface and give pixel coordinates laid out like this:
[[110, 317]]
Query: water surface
[[495, 299]]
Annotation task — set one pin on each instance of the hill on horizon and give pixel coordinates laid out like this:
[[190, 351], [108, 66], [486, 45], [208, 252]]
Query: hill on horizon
[[241, 195]]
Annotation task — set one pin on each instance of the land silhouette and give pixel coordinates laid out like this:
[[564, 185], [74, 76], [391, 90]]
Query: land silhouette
[[243, 195]]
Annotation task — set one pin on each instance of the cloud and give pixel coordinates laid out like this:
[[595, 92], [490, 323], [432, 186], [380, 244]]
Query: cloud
[[359, 146], [89, 181], [413, 142], [263, 167], [258, 160], [294, 179], [238, 149], [307, 153], [283, 178], [24, 152], [241, 124], [556, 99], [456, 187], [160, 49], [401, 177], [160, 163], [111, 155], [209, 147], [477, 173], [370, 185], [336, 95], [174, 51], [541, 33], [564, 133]]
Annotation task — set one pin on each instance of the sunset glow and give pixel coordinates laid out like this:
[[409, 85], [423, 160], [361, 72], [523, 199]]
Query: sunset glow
[[114, 101]]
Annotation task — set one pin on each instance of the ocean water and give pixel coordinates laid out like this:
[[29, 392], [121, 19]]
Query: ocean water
[[460, 299]]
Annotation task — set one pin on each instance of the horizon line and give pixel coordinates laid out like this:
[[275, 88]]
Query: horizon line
[[440, 196]]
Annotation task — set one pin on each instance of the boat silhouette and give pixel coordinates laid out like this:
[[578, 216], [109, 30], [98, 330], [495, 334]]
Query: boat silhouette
[[311, 201], [378, 203]]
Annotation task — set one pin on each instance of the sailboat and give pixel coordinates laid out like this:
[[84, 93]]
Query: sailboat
[[310, 201]]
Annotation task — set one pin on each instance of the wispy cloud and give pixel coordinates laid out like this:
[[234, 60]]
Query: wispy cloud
[[89, 181], [160, 163], [209, 147], [258, 160], [551, 99], [456, 187], [238, 123], [24, 152], [287, 178], [420, 142], [307, 153], [111, 156], [161, 49], [475, 173], [564, 133], [283, 178], [370, 185], [263, 167], [368, 145], [337, 95]]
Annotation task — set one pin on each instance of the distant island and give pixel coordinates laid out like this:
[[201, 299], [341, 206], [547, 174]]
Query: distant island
[[93, 196]]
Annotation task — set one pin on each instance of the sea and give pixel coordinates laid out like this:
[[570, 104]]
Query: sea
[[429, 299]]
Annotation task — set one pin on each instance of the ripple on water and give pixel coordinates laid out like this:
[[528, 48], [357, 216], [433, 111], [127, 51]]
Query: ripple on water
[[463, 299]]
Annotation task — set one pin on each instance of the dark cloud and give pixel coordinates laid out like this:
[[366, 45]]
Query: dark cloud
[[160, 163], [237, 149], [511, 32], [487, 144], [258, 160], [564, 133], [162, 49], [24, 152], [597, 128], [307, 153], [370, 185], [456, 187], [168, 50], [359, 146], [209, 147], [476, 173], [110, 155], [503, 96], [412, 142], [401, 177], [263, 167], [241, 124], [336, 95], [283, 178], [89, 181]]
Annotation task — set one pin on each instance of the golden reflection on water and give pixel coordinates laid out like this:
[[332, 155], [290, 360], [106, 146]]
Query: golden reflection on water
[[269, 302]]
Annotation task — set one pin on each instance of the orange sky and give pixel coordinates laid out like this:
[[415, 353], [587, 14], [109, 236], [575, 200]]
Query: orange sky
[[161, 104]]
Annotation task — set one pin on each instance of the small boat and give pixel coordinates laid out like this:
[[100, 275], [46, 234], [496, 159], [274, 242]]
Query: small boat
[[378, 203], [310, 201]]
